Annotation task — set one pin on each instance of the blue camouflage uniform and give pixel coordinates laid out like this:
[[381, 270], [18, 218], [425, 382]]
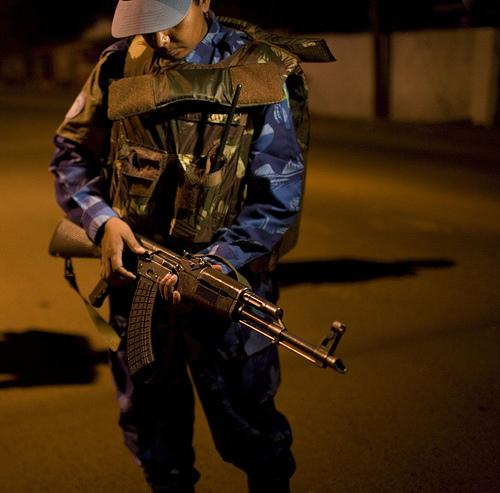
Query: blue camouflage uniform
[[235, 371]]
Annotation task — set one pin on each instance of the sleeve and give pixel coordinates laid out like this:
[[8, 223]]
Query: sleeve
[[80, 146], [275, 176], [80, 188]]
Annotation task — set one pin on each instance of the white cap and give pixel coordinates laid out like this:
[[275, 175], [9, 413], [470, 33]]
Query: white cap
[[147, 16]]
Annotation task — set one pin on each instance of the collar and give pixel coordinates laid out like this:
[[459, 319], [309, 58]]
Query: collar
[[205, 49]]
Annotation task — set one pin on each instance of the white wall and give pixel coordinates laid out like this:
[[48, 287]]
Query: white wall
[[436, 76], [485, 75], [431, 75], [343, 88]]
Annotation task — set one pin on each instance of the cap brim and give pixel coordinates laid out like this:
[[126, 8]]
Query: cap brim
[[147, 16]]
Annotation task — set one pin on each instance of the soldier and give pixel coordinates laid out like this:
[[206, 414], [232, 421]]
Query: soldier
[[149, 146]]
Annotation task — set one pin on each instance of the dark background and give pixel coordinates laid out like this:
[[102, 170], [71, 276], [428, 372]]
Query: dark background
[[24, 23]]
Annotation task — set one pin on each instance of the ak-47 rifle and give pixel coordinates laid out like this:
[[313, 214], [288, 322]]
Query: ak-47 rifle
[[198, 283]]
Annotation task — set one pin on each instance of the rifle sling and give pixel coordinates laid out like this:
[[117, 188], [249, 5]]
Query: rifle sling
[[109, 334], [238, 275]]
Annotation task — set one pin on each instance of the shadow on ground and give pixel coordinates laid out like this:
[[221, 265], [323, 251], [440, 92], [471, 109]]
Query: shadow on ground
[[352, 270], [37, 357]]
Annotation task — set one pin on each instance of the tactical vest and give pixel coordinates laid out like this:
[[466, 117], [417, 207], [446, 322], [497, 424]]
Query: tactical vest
[[168, 123]]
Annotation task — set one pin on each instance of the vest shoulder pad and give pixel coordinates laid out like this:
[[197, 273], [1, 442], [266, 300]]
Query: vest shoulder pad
[[261, 84], [306, 49]]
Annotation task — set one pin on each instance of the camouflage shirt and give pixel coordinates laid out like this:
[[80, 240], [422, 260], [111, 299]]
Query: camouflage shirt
[[274, 173]]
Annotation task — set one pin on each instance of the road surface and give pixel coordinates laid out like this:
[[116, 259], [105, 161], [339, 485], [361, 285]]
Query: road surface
[[399, 240]]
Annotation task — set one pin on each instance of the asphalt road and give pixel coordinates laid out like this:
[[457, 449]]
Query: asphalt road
[[400, 240]]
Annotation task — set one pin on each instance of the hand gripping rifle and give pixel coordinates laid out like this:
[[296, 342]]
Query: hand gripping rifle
[[199, 283]]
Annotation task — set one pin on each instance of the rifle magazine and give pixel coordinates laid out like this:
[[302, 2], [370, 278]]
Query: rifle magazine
[[139, 337]]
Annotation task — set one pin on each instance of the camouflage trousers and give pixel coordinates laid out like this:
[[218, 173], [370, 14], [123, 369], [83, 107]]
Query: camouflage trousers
[[236, 391]]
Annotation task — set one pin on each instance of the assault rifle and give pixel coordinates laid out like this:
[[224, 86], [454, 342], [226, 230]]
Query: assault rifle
[[198, 283]]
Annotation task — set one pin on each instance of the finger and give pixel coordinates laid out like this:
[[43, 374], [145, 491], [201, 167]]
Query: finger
[[161, 286], [217, 267], [115, 260], [165, 280], [106, 268], [102, 270], [170, 285], [176, 297], [164, 286], [133, 244], [167, 287], [121, 271]]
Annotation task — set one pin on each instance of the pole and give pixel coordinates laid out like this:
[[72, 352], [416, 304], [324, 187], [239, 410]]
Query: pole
[[381, 60]]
